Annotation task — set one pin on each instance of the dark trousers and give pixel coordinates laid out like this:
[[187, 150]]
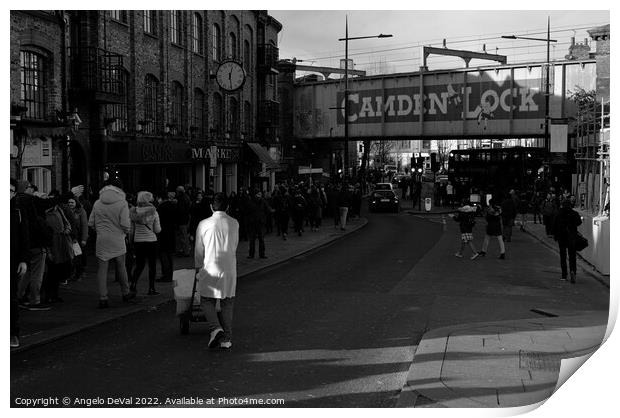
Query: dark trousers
[[283, 220], [145, 251], [79, 262], [298, 222], [548, 221], [568, 245], [254, 232], [56, 273], [167, 264]]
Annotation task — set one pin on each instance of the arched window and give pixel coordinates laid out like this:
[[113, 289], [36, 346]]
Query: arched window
[[151, 92], [34, 84], [197, 39], [247, 56], [198, 117], [218, 114], [216, 46], [232, 45], [233, 121], [176, 110]]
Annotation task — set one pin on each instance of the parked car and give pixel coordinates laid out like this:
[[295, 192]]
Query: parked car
[[383, 200], [384, 186]]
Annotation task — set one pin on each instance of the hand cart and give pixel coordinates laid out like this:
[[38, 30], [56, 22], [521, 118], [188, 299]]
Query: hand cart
[[188, 303]]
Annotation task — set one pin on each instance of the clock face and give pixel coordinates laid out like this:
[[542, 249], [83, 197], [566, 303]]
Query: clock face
[[230, 75]]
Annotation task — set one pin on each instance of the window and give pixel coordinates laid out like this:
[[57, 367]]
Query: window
[[176, 27], [247, 56], [218, 114], [216, 47], [198, 117], [117, 112], [151, 91], [233, 111], [119, 15], [232, 46], [40, 177], [34, 84], [176, 116], [197, 39], [150, 19]]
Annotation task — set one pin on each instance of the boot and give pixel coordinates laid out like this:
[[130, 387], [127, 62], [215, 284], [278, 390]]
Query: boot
[[573, 276]]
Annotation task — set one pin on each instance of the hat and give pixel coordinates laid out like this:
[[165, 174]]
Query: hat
[[22, 185]]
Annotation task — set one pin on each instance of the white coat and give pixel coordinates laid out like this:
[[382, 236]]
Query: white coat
[[215, 255]]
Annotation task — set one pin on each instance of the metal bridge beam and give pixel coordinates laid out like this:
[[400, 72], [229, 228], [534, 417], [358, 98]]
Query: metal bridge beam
[[466, 55], [326, 71]]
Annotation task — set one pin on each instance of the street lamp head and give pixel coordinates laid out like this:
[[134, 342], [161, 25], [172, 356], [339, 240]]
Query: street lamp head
[[509, 37], [383, 35]]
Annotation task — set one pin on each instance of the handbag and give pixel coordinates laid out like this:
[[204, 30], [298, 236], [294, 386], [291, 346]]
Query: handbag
[[581, 242], [77, 250]]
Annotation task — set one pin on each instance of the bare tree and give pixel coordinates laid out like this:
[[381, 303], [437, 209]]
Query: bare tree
[[382, 151]]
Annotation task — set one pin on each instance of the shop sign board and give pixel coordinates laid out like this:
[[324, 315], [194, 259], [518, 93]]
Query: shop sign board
[[37, 152]]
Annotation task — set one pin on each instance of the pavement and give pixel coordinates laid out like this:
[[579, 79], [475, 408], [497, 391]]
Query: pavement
[[79, 309], [511, 363], [478, 364]]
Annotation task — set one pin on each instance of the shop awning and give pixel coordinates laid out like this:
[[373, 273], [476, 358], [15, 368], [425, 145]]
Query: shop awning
[[47, 131], [263, 156]]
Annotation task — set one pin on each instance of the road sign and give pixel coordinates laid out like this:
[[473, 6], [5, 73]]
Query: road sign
[[308, 170]]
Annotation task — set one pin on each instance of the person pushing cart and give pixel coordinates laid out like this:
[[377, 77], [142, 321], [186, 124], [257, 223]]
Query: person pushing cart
[[215, 261]]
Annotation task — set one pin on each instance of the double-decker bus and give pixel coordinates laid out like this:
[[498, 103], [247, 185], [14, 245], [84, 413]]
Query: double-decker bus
[[496, 170]]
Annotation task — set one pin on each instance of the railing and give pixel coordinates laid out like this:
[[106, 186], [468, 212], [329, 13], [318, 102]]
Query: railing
[[97, 71], [268, 113], [267, 56]]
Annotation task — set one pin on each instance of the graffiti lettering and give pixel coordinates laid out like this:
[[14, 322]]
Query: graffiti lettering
[[447, 102]]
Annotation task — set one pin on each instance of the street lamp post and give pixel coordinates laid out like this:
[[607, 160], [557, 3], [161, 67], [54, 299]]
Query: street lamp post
[[547, 93], [346, 40]]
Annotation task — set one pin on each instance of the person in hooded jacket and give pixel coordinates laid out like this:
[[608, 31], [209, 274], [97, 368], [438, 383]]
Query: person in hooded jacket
[[144, 227], [110, 219]]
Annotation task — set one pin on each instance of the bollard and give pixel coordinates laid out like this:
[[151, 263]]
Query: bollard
[[444, 225]]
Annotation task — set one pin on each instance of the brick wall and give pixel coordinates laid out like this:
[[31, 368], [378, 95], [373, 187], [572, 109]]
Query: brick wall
[[41, 33]]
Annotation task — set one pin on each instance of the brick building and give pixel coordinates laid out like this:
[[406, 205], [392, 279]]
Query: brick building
[[142, 85]]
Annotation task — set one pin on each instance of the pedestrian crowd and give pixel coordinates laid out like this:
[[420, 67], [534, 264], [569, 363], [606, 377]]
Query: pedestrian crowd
[[53, 235], [554, 210]]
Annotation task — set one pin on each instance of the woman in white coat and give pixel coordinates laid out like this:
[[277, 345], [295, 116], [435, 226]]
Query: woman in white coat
[[215, 258]]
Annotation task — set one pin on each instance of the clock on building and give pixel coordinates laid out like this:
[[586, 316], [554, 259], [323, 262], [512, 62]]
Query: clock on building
[[230, 75]]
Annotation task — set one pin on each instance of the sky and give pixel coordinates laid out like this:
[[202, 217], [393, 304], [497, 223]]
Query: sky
[[312, 35]]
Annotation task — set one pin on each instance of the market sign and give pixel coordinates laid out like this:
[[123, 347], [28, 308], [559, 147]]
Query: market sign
[[223, 154]]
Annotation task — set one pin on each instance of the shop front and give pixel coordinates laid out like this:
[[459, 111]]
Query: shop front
[[217, 168], [152, 165]]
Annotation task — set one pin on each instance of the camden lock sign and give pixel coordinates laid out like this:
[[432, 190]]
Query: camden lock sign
[[214, 154], [443, 103]]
